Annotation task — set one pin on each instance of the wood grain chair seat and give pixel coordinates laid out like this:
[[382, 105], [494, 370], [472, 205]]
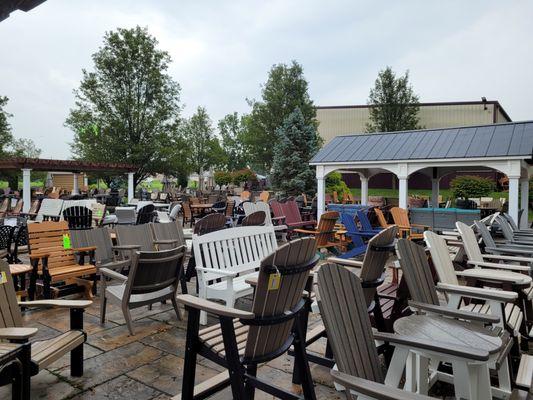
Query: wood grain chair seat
[[46, 352]]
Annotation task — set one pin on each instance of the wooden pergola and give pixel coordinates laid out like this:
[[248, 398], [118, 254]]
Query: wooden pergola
[[26, 165], [8, 6]]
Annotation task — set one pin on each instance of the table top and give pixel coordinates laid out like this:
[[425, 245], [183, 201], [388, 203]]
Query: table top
[[497, 274], [447, 330], [201, 205]]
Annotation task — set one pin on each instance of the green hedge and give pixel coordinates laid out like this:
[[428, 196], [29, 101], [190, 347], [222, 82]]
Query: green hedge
[[468, 186]]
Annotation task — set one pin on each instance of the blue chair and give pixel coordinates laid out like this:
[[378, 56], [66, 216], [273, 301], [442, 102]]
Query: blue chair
[[353, 232], [365, 223]]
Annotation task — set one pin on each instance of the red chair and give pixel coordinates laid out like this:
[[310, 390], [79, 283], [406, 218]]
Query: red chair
[[290, 211]]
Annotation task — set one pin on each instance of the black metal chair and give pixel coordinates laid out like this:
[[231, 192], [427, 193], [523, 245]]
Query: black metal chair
[[145, 214], [219, 207], [78, 217]]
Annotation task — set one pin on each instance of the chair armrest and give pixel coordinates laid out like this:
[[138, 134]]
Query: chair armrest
[[17, 333], [112, 274], [421, 226], [212, 307], [346, 262], [448, 312], [115, 265], [38, 255], [509, 258], [507, 267], [510, 250], [127, 247], [166, 241], [432, 345], [57, 303], [310, 232], [374, 390], [221, 272], [478, 293], [83, 249]]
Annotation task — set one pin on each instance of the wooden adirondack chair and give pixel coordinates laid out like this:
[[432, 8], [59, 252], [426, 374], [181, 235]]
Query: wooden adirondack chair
[[153, 277], [381, 218], [15, 211], [325, 232], [254, 219], [187, 214], [33, 211], [365, 222], [289, 210], [78, 217], [264, 196], [43, 353], [357, 237], [510, 236], [419, 278], [4, 207], [54, 264], [335, 197], [245, 195], [352, 339], [406, 228], [246, 339]]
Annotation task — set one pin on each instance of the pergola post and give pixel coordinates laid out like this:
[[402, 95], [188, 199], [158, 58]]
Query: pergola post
[[513, 197], [364, 190], [524, 202], [130, 186], [26, 189], [320, 191], [435, 192], [75, 186], [86, 181]]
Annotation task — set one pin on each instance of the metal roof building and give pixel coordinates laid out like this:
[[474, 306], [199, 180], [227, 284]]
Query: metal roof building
[[506, 147]]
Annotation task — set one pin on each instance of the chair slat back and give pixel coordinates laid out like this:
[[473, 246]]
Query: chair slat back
[[145, 214], [469, 241], [250, 208], [511, 221], [505, 228], [97, 237], [291, 211], [169, 231], [485, 234], [187, 213], [10, 316], [363, 219], [344, 313], [155, 270], [34, 209], [140, 235], [416, 271], [277, 209], [326, 228], [47, 237], [50, 207], [264, 196], [210, 223], [400, 217], [78, 217], [254, 219], [263, 340], [440, 255], [125, 215], [229, 208], [381, 217], [376, 256], [18, 207], [352, 230], [4, 206], [245, 195]]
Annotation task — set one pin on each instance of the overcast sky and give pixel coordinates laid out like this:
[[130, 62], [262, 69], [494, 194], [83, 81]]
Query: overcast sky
[[222, 51]]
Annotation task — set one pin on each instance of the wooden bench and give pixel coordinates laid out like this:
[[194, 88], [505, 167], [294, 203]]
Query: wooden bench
[[53, 263], [226, 258]]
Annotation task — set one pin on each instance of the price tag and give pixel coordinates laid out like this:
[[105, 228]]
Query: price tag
[[274, 281], [3, 278], [66, 241]]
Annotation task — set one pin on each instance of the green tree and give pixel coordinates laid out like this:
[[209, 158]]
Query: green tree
[[204, 150], [6, 138], [297, 143], [285, 90], [127, 110], [394, 105], [24, 148], [232, 131]]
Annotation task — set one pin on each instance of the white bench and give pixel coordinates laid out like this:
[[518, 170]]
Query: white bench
[[226, 258]]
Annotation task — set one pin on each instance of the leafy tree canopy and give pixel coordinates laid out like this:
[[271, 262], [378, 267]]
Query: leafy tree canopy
[[395, 105], [232, 131], [127, 109], [297, 143], [5, 128], [285, 90]]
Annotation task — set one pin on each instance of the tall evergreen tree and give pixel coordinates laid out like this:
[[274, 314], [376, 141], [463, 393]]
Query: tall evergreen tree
[[297, 143], [285, 90], [394, 105]]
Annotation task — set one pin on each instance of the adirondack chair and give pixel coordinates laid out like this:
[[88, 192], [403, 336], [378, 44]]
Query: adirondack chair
[[365, 222], [325, 232], [232, 256], [55, 264], [125, 215], [45, 352], [145, 214], [4, 207], [153, 277], [6, 238], [510, 236], [406, 229], [335, 197], [418, 276], [501, 248], [381, 218], [168, 235], [50, 208], [357, 237], [246, 339], [78, 217], [187, 214], [254, 219], [33, 211], [514, 227], [99, 213], [245, 195], [289, 211], [264, 196], [137, 237], [17, 209]]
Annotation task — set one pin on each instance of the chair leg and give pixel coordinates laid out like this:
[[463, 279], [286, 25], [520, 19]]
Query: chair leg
[[103, 304], [236, 370], [250, 389], [176, 308], [127, 317], [300, 357], [191, 344], [76, 354]]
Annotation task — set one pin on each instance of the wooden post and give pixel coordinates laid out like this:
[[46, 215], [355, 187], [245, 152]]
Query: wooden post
[[26, 189], [524, 203], [364, 190], [320, 191], [513, 197]]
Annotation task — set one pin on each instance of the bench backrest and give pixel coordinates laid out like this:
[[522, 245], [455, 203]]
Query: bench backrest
[[291, 211], [51, 207], [97, 237], [47, 237], [10, 315], [234, 248], [140, 235], [78, 217], [168, 231]]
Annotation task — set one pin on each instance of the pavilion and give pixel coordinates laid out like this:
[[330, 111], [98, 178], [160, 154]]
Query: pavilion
[[506, 147], [26, 165]]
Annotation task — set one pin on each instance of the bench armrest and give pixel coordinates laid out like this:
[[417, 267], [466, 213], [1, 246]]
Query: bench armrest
[[17, 333], [38, 255], [213, 308], [448, 312], [221, 272], [57, 303], [507, 267], [113, 274], [478, 293]]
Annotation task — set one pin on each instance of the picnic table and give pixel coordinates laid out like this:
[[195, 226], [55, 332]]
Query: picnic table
[[15, 367]]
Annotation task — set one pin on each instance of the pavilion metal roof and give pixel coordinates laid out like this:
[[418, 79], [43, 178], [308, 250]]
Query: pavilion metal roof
[[513, 139], [8, 6]]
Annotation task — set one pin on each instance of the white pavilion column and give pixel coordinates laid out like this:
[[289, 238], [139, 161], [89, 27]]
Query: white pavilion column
[[26, 189], [364, 190], [513, 197], [75, 186], [86, 181], [320, 191], [435, 192], [524, 202], [402, 191], [130, 186]]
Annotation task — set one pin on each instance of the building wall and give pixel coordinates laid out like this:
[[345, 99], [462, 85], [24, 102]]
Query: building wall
[[335, 121], [65, 181]]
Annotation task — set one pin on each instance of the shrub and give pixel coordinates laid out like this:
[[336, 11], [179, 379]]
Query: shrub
[[243, 175], [468, 186], [334, 183], [223, 178]]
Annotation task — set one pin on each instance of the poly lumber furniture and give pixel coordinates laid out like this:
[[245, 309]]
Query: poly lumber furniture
[[15, 369], [125, 215], [244, 339], [277, 222], [406, 229], [501, 248], [153, 277], [78, 217], [226, 258], [254, 219], [365, 222], [43, 353], [324, 232], [54, 261], [50, 208], [357, 237], [289, 210], [381, 218]]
